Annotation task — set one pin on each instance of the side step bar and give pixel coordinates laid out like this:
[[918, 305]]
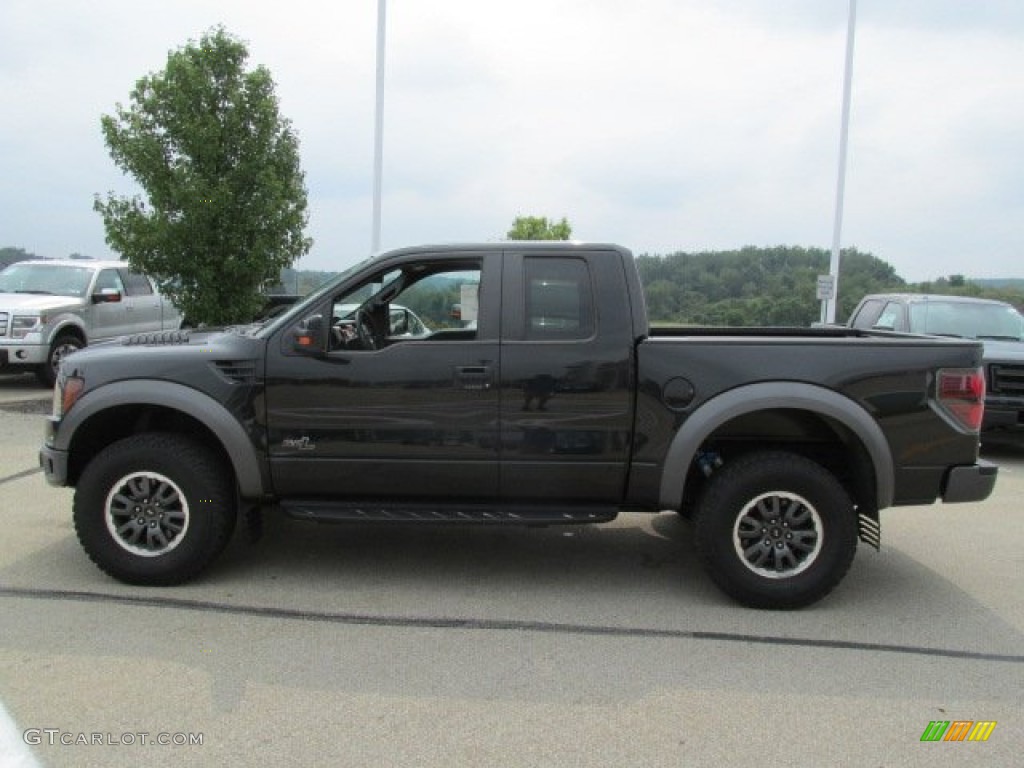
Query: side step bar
[[377, 512]]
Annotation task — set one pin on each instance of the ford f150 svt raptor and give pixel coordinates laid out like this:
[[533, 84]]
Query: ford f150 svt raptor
[[537, 394]]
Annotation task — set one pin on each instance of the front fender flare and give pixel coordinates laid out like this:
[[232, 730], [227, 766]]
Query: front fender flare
[[166, 394], [774, 396]]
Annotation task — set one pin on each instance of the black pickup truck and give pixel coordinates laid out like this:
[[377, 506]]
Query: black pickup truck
[[532, 392]]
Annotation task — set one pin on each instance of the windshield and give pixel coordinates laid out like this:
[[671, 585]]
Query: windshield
[[46, 279], [969, 320]]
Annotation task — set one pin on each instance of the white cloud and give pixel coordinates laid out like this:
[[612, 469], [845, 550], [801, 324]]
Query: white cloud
[[662, 124]]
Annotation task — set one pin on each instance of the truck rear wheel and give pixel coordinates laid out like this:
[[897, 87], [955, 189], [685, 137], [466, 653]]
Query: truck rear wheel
[[154, 509], [775, 530]]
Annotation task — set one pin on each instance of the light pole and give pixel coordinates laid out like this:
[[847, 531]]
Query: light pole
[[844, 134], [378, 127]]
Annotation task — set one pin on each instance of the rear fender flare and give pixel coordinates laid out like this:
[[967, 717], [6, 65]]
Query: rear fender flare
[[772, 396]]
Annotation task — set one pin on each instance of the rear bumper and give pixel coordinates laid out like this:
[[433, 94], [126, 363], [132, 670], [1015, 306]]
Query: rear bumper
[[970, 483]]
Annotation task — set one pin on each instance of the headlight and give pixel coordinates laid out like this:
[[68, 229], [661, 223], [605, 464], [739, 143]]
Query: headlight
[[23, 325], [66, 392]]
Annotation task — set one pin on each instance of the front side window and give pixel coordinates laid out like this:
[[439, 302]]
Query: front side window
[[436, 302], [108, 280], [868, 315], [136, 284], [889, 320]]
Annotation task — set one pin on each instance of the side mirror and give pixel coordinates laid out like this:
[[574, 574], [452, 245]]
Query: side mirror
[[308, 335], [399, 322], [106, 296]]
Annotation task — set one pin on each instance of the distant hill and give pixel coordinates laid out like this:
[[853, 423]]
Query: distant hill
[[11, 255], [1013, 283]]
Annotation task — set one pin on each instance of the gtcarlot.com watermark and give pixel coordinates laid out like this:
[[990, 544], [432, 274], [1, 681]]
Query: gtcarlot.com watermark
[[54, 737]]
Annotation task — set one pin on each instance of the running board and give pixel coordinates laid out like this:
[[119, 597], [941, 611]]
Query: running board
[[377, 512]]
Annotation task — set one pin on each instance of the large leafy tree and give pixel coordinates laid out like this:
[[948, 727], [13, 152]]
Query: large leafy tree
[[539, 228], [225, 205]]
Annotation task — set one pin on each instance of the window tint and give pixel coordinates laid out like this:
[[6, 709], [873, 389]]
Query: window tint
[[559, 299], [136, 284]]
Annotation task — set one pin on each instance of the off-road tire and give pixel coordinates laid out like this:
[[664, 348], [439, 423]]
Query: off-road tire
[[775, 530], [154, 509]]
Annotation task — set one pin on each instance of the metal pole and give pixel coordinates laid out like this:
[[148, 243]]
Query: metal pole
[[378, 128], [844, 134]]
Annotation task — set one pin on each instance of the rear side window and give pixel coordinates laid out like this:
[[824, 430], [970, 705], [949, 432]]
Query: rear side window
[[559, 299]]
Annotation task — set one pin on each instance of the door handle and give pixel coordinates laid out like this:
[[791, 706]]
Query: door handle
[[473, 377]]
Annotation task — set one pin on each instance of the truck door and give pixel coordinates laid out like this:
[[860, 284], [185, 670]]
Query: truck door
[[403, 401], [144, 304], [109, 306], [566, 402]]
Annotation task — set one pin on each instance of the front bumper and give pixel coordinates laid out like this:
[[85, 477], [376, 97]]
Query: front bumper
[[970, 483], [54, 464], [14, 353], [1002, 418]]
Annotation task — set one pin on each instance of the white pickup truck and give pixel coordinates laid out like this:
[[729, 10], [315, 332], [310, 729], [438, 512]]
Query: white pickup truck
[[49, 309]]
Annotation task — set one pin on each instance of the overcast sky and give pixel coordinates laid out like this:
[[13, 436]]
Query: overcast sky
[[663, 125]]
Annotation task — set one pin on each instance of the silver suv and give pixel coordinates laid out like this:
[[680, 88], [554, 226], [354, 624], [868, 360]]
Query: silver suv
[[49, 309]]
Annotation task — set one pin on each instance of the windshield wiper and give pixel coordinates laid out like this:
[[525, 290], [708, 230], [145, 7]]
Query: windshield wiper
[[1000, 338], [37, 293]]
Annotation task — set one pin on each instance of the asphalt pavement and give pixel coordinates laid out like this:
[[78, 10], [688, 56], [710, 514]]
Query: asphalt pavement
[[591, 646]]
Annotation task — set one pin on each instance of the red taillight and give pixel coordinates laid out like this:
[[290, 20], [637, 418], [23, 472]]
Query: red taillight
[[961, 393]]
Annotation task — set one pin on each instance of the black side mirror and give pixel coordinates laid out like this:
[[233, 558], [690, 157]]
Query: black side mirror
[[308, 335]]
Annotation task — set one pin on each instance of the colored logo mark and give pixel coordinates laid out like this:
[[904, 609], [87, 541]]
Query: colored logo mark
[[958, 730]]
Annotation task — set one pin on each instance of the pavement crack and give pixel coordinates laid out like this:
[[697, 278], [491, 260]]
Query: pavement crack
[[497, 625]]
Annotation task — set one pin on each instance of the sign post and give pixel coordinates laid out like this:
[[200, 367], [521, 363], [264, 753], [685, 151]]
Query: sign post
[[826, 293]]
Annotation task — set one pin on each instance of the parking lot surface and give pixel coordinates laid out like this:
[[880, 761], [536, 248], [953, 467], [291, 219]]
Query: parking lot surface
[[591, 646]]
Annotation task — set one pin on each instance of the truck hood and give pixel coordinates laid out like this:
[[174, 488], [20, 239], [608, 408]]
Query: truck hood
[[1003, 350], [35, 302]]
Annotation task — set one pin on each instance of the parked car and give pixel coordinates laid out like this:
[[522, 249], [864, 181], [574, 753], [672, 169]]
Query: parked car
[[998, 325], [49, 309]]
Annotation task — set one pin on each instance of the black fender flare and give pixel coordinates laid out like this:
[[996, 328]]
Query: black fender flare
[[166, 394], [772, 396]]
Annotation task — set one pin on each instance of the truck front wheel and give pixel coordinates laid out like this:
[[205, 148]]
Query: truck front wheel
[[775, 530], [154, 509], [62, 346]]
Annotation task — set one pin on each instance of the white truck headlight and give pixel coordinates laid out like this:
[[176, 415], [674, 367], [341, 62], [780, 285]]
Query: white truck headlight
[[22, 325]]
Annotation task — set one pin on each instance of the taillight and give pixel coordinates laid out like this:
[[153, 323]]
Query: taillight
[[961, 393]]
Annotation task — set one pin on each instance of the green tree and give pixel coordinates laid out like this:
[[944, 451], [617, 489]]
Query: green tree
[[10, 255], [226, 198], [539, 228]]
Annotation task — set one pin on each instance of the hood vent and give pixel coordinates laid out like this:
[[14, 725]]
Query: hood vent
[[238, 371], [157, 339]]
